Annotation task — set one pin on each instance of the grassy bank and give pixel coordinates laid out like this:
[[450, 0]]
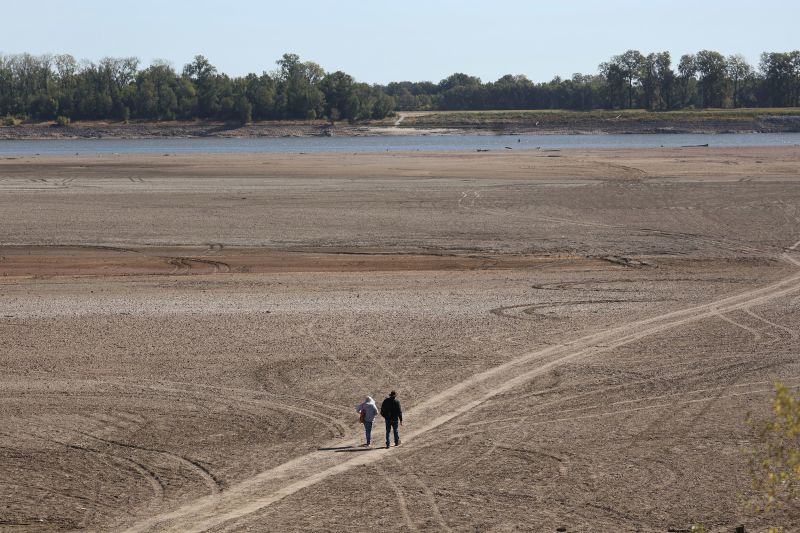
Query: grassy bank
[[467, 119]]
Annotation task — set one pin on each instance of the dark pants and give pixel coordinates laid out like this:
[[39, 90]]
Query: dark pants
[[391, 424]]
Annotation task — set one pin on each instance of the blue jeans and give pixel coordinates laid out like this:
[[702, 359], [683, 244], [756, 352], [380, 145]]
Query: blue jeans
[[368, 430], [391, 424]]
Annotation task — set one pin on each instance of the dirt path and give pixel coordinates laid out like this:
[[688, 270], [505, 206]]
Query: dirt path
[[289, 478]]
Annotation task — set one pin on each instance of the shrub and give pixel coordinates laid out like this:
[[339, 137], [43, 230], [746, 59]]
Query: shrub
[[8, 120], [61, 120], [775, 467]]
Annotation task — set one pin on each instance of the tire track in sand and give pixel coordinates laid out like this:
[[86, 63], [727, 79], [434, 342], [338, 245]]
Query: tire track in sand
[[274, 485], [431, 499], [401, 499], [156, 484], [793, 335], [511, 422], [427, 494], [756, 335], [670, 405], [328, 353], [213, 483]]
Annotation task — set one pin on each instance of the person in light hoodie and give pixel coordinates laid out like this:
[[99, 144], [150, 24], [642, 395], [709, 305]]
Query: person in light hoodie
[[367, 410]]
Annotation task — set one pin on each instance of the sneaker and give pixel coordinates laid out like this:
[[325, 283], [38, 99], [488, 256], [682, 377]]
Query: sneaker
[[397, 443], [387, 445]]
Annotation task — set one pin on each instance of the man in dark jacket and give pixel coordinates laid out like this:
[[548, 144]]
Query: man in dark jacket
[[393, 414]]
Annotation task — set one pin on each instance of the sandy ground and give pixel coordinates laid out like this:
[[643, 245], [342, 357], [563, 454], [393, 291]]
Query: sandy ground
[[577, 337]]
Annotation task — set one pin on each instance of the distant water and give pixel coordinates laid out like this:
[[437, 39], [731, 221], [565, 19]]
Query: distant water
[[404, 143]]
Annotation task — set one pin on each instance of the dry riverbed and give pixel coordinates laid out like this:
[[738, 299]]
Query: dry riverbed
[[577, 338]]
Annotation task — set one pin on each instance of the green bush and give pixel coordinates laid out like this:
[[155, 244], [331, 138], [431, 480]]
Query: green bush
[[61, 120], [775, 465], [8, 120]]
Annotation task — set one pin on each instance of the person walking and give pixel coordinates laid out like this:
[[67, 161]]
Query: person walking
[[367, 410], [393, 415]]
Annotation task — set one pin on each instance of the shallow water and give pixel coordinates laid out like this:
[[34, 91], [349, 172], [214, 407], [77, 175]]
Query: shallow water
[[404, 143]]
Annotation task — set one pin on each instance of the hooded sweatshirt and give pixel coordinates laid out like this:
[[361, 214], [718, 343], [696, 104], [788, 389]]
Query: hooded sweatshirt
[[369, 409]]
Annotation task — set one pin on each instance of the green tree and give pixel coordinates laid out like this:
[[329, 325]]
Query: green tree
[[712, 70], [630, 64], [243, 109], [200, 68], [186, 94], [146, 103], [458, 79], [65, 82], [51, 85], [157, 87], [44, 107], [509, 92], [338, 90], [206, 81], [657, 80], [781, 73], [739, 70], [261, 94], [615, 82], [383, 105], [687, 68], [666, 80], [298, 92], [648, 76]]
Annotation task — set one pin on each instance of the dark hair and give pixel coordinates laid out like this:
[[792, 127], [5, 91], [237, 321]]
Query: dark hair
[[393, 393]]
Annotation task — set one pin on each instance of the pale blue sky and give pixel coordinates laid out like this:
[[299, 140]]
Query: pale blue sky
[[379, 41]]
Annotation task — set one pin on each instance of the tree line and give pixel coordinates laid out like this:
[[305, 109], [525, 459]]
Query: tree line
[[627, 81], [48, 86]]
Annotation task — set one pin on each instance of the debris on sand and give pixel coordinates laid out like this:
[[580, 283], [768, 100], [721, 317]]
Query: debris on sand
[[624, 261]]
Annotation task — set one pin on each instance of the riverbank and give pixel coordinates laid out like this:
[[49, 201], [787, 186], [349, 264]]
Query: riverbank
[[170, 129], [435, 123], [776, 120]]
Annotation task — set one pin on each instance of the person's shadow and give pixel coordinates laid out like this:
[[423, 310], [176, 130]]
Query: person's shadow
[[340, 449]]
